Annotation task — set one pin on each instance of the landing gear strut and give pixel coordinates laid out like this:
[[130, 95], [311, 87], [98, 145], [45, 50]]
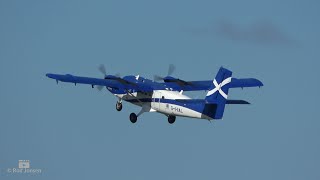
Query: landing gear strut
[[171, 119], [119, 106], [133, 117]]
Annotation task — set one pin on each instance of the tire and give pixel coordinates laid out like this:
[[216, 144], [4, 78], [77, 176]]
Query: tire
[[119, 106], [133, 117], [171, 119]]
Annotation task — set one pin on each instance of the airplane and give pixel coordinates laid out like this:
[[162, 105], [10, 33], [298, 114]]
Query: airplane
[[167, 97]]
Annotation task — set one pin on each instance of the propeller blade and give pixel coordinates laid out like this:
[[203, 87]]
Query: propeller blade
[[99, 88], [102, 69], [171, 69], [117, 75], [157, 78]]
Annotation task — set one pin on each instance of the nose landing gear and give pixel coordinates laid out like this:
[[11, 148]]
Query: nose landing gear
[[119, 106]]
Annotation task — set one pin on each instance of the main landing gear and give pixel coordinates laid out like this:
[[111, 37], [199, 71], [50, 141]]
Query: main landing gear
[[171, 119], [133, 117], [119, 106]]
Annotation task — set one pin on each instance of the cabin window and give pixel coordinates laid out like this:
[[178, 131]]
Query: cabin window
[[162, 97]]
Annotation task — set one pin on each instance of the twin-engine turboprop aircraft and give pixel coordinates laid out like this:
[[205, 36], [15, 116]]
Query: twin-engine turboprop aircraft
[[167, 97]]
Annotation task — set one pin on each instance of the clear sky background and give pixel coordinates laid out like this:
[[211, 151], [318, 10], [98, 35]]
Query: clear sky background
[[75, 132]]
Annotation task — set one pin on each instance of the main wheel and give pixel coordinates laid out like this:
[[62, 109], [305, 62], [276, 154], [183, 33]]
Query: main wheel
[[119, 106], [133, 117], [171, 119]]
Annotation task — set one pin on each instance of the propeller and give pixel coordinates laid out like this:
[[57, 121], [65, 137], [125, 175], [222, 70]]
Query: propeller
[[171, 69], [103, 70], [99, 87], [168, 78]]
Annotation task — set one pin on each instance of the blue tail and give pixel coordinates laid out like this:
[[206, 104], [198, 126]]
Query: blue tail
[[218, 92]]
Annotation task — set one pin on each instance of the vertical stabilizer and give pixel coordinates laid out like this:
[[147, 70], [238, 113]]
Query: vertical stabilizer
[[218, 92]]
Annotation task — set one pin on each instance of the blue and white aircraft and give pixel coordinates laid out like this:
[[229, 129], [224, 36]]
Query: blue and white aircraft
[[167, 97]]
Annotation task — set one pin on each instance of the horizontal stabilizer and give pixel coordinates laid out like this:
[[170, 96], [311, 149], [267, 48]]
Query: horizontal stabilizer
[[248, 82], [237, 102]]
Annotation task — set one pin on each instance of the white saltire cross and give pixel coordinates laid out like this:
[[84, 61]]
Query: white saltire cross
[[219, 86]]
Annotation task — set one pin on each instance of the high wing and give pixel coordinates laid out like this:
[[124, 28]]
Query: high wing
[[136, 83], [128, 84], [85, 80], [205, 85]]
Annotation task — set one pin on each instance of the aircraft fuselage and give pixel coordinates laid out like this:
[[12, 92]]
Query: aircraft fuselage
[[165, 102]]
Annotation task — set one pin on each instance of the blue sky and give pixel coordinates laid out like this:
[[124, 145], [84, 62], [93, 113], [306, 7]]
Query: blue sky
[[75, 132]]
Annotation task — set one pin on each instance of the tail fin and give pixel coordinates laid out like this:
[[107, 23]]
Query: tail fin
[[218, 92]]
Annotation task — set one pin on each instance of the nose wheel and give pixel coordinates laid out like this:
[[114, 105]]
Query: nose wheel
[[133, 117], [119, 106], [171, 119]]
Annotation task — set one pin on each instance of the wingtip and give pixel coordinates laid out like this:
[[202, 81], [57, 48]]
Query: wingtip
[[261, 84], [52, 76], [49, 75]]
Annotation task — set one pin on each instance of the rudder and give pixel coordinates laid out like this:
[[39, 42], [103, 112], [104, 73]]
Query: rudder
[[218, 92]]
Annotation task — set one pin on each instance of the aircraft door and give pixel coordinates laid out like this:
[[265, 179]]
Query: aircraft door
[[159, 100], [156, 100]]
